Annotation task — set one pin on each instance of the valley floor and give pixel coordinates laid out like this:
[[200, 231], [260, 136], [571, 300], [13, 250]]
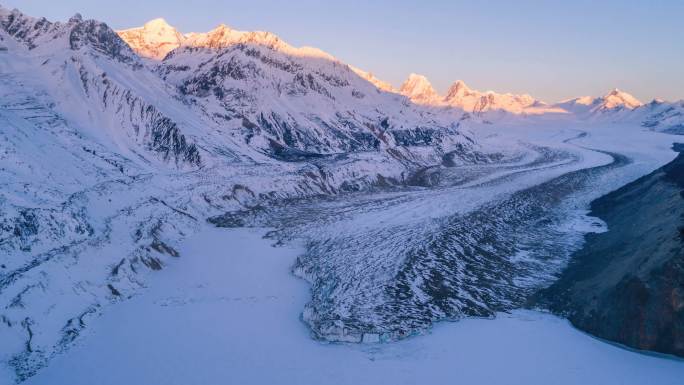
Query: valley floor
[[229, 310], [230, 315]]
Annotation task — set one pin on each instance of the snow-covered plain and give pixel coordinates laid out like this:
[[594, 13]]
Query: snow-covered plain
[[228, 313]]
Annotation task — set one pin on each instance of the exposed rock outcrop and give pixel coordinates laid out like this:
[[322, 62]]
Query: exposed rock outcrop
[[627, 285]]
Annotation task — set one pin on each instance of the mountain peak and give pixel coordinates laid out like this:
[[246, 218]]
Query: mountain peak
[[154, 39], [458, 89], [224, 36], [221, 27], [461, 84], [617, 98], [419, 89], [219, 30], [76, 18], [158, 24], [414, 75]]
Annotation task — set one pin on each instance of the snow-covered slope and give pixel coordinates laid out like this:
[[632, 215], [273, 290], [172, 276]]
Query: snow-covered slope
[[94, 80], [663, 116], [83, 133], [380, 84], [295, 103]]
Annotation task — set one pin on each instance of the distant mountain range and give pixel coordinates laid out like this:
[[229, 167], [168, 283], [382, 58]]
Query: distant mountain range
[[157, 38]]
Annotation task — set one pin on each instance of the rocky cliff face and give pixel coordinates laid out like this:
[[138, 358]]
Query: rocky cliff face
[[627, 285]]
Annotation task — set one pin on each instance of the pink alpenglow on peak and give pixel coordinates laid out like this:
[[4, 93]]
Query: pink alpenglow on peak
[[614, 101], [458, 90], [157, 38], [419, 89], [461, 96], [617, 98], [153, 40]]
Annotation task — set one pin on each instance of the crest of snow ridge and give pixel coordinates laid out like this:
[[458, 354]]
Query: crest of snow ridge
[[39, 33], [420, 91], [156, 39], [83, 49]]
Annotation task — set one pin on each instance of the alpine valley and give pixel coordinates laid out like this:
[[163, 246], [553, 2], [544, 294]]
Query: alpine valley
[[129, 159]]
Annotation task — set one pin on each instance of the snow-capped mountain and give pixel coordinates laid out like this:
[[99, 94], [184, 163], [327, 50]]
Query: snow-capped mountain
[[614, 103], [663, 116], [461, 97], [293, 103], [618, 99], [154, 39], [620, 106], [419, 89], [459, 94], [157, 38], [87, 131]]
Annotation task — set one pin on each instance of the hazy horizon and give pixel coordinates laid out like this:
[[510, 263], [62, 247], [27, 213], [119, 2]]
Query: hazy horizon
[[553, 51]]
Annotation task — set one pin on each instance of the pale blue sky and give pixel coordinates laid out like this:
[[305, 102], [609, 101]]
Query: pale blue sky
[[550, 49]]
